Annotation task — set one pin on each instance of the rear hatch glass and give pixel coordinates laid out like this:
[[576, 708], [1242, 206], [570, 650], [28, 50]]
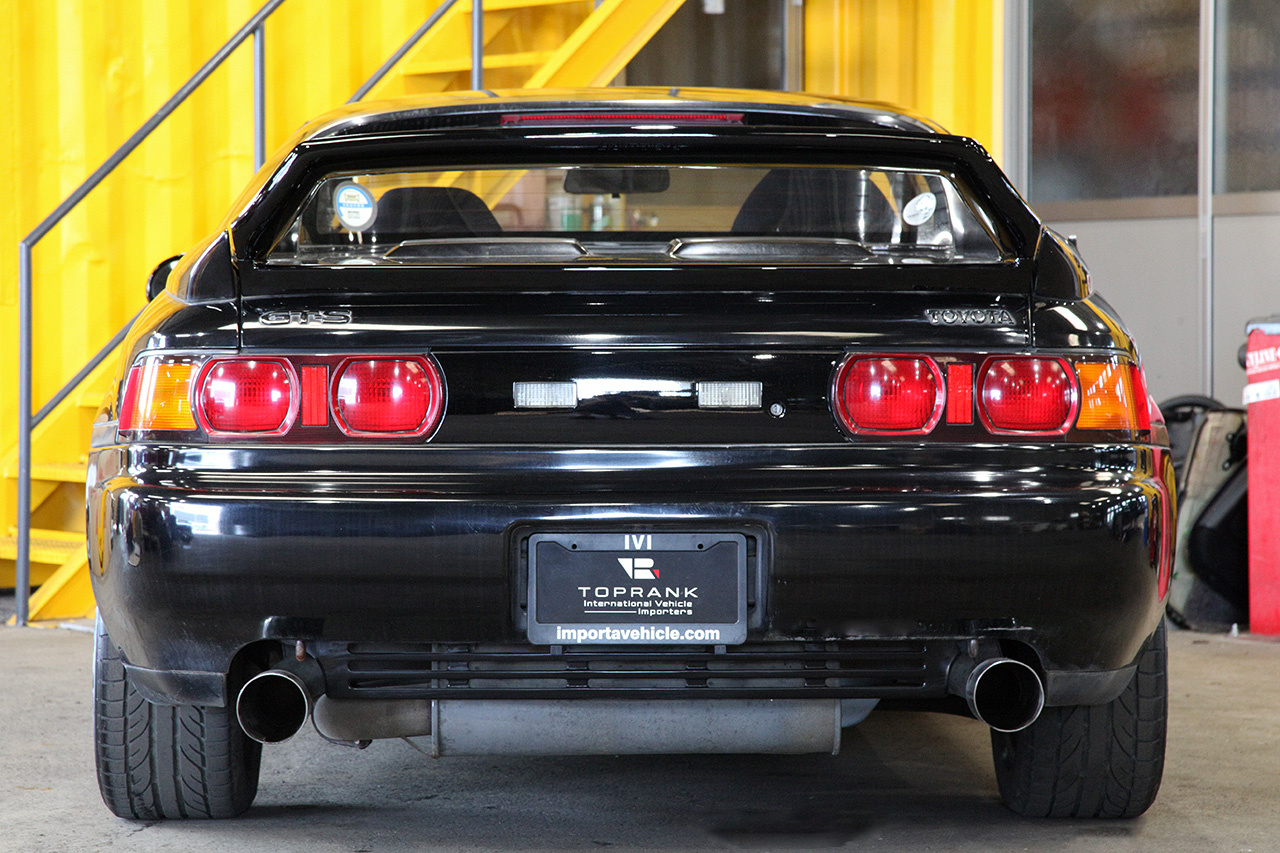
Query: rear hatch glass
[[640, 215]]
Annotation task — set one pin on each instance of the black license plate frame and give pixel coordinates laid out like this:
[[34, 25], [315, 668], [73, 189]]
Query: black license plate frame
[[637, 588]]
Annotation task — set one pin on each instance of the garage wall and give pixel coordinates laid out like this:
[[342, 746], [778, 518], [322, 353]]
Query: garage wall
[[1246, 285]]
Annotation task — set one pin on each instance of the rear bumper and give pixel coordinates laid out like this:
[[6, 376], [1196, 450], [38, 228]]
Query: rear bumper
[[198, 552]]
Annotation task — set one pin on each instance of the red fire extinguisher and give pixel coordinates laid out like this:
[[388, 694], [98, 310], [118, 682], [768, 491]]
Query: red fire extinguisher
[[1262, 396]]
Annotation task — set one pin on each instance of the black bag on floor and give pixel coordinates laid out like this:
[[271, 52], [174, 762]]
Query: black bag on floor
[[1210, 587]]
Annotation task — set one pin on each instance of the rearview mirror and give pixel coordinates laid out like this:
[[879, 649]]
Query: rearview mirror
[[592, 181], [160, 276]]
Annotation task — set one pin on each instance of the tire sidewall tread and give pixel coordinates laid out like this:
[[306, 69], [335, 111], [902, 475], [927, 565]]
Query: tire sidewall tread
[[166, 761], [1092, 761]]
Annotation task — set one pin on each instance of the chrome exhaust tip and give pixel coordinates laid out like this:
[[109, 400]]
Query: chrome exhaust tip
[[1004, 693], [274, 705]]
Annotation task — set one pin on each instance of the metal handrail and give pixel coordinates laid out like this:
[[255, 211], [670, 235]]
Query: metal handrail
[[65, 390], [477, 44], [401, 51], [254, 27]]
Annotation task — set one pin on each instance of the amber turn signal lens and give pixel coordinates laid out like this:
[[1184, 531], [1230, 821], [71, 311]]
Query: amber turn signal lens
[[157, 395], [1107, 396]]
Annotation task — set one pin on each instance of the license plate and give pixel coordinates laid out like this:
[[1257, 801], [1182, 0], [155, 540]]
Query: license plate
[[639, 588]]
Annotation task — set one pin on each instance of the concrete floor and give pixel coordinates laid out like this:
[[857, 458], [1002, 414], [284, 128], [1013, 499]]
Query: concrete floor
[[903, 782]]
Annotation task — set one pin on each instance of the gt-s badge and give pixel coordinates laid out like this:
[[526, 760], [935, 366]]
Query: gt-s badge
[[305, 318]]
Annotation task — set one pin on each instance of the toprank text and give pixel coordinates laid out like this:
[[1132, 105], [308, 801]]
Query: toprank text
[[612, 592]]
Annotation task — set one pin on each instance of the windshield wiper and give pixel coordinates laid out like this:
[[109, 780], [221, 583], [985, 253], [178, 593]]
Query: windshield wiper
[[767, 248], [482, 249]]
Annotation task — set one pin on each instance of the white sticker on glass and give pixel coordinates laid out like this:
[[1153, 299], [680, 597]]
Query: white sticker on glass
[[920, 209], [355, 206]]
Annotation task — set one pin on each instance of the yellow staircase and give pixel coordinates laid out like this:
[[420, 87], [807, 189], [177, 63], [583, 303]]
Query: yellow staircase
[[527, 44], [531, 44], [59, 448]]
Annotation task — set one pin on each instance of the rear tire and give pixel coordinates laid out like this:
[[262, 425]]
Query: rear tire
[[166, 761], [1092, 761]]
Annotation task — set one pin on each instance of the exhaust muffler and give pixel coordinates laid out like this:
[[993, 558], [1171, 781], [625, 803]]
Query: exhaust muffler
[[274, 705], [1004, 693]]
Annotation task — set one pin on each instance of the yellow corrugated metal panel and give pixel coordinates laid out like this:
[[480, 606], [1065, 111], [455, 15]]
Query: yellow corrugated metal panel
[[941, 58]]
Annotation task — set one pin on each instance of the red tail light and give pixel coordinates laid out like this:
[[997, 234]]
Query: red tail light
[[1027, 395], [889, 394], [309, 399], [1011, 395], [315, 395], [1164, 483], [388, 396], [959, 393], [1142, 399], [246, 395]]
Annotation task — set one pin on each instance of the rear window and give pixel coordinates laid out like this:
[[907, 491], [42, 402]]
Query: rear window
[[639, 215]]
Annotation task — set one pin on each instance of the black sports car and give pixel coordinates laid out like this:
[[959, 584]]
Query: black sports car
[[628, 421]]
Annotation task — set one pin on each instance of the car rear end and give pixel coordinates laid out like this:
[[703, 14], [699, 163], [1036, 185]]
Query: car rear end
[[604, 430]]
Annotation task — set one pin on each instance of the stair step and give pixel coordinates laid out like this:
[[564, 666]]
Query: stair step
[[62, 472], [52, 547], [56, 472], [451, 65], [509, 5]]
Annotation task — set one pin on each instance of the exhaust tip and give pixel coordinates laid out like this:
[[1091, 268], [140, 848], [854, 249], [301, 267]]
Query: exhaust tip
[[273, 706], [1005, 694]]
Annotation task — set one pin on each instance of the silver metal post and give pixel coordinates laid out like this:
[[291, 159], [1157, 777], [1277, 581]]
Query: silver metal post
[[477, 44], [259, 96], [22, 573], [793, 46], [1017, 94], [1204, 185]]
